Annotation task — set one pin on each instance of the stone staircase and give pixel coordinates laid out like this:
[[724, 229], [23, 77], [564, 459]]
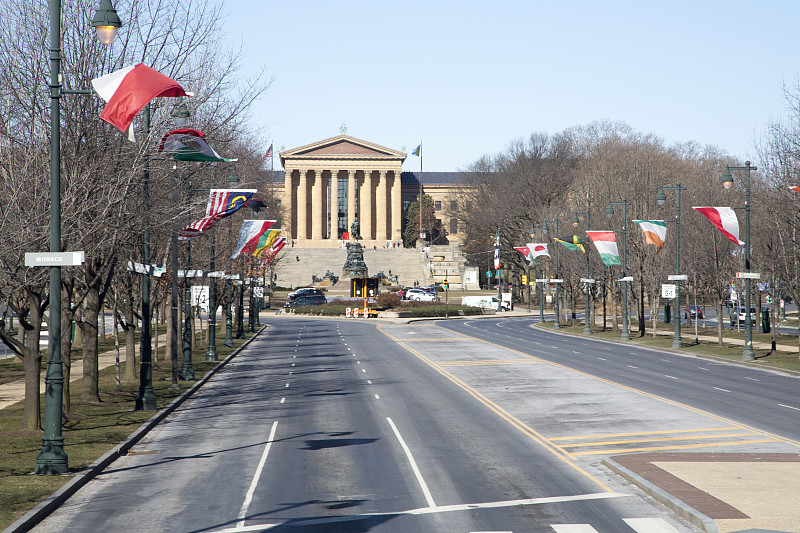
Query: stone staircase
[[445, 262], [297, 265]]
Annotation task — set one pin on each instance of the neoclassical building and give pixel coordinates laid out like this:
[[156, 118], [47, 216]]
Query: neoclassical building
[[329, 184]]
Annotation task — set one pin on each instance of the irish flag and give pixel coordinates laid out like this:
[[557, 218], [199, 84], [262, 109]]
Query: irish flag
[[724, 218], [606, 243], [129, 89], [251, 231], [536, 249], [655, 231]]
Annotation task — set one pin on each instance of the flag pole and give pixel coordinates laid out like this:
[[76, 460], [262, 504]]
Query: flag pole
[[420, 189]]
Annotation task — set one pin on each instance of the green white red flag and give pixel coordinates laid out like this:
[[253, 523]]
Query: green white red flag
[[606, 243]]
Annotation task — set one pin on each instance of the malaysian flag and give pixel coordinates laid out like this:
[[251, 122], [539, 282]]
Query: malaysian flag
[[221, 203]]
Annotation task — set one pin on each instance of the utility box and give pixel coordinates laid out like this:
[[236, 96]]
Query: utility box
[[364, 287], [765, 326], [667, 313]]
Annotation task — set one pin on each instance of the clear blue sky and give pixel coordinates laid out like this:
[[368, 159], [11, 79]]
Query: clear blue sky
[[465, 77]]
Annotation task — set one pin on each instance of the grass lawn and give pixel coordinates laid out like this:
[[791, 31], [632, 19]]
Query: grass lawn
[[90, 429]]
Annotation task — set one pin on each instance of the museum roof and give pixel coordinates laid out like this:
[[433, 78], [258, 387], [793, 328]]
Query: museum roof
[[408, 178]]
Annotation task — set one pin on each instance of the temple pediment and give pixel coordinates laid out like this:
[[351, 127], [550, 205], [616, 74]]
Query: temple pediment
[[342, 147]]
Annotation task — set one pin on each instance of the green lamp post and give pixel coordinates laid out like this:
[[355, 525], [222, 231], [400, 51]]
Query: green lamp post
[[626, 334], [52, 459], [557, 324], [233, 179], [497, 268], [661, 198], [587, 328], [727, 182]]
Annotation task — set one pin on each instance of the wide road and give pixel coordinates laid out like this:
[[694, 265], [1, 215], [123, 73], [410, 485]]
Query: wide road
[[761, 398], [354, 426]]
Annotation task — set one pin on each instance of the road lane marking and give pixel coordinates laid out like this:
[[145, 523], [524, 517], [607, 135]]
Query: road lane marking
[[369, 381], [463, 507], [663, 432], [649, 525], [377, 397], [789, 407], [631, 366], [364, 370], [667, 448], [283, 400], [723, 390], [573, 528], [254, 483], [752, 379], [417, 473], [671, 377]]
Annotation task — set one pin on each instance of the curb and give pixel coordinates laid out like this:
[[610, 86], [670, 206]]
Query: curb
[[681, 509], [55, 500]]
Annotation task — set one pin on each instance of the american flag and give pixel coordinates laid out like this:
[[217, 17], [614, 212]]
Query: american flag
[[268, 153], [221, 203]]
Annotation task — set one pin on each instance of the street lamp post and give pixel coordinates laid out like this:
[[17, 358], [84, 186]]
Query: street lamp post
[[497, 270], [626, 334], [727, 181], [187, 369], [587, 328], [52, 459], [661, 198], [211, 352], [232, 180], [557, 324]]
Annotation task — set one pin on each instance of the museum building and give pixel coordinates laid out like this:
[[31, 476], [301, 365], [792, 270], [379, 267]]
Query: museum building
[[328, 185]]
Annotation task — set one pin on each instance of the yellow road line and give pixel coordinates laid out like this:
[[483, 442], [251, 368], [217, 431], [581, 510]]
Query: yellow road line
[[608, 435], [531, 433], [665, 448], [489, 362], [688, 437]]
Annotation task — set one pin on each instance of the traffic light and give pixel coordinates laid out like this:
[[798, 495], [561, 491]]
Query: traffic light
[[446, 285]]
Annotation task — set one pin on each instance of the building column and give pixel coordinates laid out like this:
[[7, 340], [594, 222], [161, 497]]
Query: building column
[[381, 217], [397, 209], [366, 206], [351, 197], [302, 207], [288, 196], [334, 214], [316, 205]]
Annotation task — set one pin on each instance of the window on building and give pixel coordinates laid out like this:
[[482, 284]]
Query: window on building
[[406, 204], [453, 225], [453, 205], [437, 205]]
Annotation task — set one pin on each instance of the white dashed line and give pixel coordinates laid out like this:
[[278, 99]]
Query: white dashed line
[[377, 397], [752, 379], [363, 369], [671, 377], [283, 400], [369, 381], [702, 368], [602, 358], [287, 386], [631, 366], [723, 390], [789, 407]]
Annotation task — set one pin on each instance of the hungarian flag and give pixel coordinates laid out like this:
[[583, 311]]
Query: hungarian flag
[[576, 244], [724, 218], [537, 249], [186, 144], [606, 243], [221, 203], [251, 231], [129, 89], [655, 231]]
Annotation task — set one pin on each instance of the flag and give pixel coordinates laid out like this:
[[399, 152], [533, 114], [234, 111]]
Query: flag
[[264, 242], [576, 244], [251, 231], [525, 251], [128, 90], [655, 231], [221, 203], [268, 153], [606, 243], [417, 150], [496, 258], [796, 188], [724, 218], [537, 249], [186, 144]]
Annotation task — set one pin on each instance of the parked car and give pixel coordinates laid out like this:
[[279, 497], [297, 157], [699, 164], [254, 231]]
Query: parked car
[[421, 295], [305, 291], [306, 299], [695, 311], [737, 315]]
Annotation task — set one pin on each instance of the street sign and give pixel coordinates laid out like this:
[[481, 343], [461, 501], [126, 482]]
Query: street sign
[[48, 259], [744, 275], [152, 270], [587, 280], [556, 280], [200, 274], [541, 280], [258, 292], [678, 277], [626, 278], [668, 290], [488, 273]]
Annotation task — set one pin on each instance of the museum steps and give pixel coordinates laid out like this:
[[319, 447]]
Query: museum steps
[[298, 266]]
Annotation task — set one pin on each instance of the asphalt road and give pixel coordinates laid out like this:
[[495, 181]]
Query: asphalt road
[[351, 426]]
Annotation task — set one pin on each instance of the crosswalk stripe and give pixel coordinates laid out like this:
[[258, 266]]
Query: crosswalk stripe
[[573, 528], [649, 525]]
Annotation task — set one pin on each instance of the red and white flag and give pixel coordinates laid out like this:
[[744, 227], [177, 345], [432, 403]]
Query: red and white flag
[[525, 251], [536, 249], [796, 188], [129, 89], [724, 218]]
